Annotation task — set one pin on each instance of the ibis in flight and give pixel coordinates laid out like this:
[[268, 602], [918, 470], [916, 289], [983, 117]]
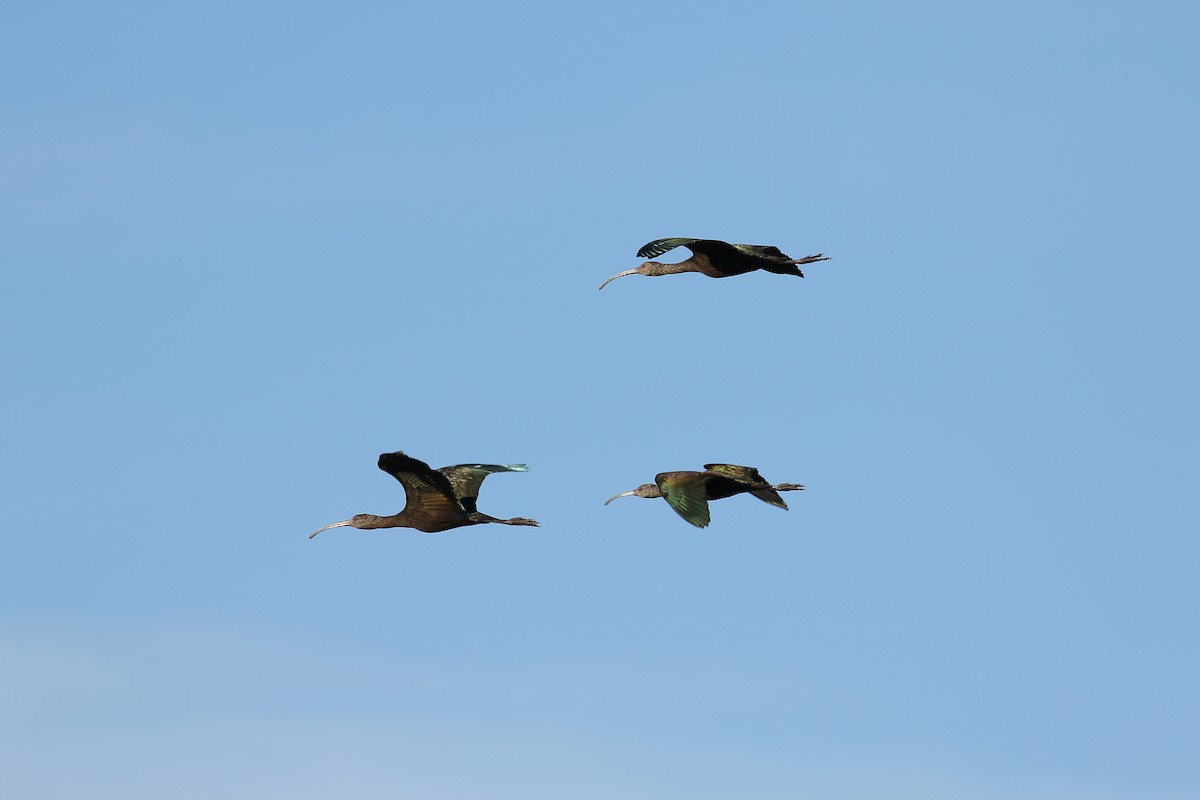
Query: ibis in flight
[[717, 259], [688, 492], [438, 499]]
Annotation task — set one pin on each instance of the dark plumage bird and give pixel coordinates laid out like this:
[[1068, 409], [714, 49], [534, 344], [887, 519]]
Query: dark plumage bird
[[718, 259], [689, 492], [438, 499]]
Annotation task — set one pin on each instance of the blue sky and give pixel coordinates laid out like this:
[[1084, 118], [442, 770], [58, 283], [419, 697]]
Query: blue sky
[[249, 249]]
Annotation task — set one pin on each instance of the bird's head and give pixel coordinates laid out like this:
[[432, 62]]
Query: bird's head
[[650, 268], [360, 521], [646, 490]]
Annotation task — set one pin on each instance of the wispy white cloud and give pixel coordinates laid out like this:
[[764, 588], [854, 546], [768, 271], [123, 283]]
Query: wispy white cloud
[[194, 710], [301, 761]]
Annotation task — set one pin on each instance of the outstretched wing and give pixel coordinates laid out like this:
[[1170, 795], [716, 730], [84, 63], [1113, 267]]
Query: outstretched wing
[[766, 252], [748, 475], [426, 488], [737, 472], [660, 246], [685, 491], [714, 247], [465, 479]]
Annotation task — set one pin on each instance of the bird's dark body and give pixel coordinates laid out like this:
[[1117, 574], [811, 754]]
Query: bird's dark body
[[718, 259], [743, 475], [716, 487]]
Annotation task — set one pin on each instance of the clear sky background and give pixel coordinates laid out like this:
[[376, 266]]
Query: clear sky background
[[247, 249]]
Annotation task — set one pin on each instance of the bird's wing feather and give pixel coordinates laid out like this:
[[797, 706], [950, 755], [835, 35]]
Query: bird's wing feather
[[748, 475], [767, 252], [465, 479], [714, 247], [660, 246], [686, 494], [425, 487], [735, 471]]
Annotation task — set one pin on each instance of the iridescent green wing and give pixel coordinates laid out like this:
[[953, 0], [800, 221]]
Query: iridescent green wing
[[749, 475], [465, 479], [426, 488], [766, 252], [686, 493], [660, 246]]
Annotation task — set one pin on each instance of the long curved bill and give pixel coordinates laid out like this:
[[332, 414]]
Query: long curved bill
[[614, 277], [327, 527], [622, 494]]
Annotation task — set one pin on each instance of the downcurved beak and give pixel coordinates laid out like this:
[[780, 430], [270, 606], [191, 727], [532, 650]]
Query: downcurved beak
[[327, 527], [622, 494], [618, 275]]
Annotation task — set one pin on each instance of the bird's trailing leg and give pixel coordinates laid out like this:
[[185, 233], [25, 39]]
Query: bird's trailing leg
[[807, 259], [478, 517], [788, 487]]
